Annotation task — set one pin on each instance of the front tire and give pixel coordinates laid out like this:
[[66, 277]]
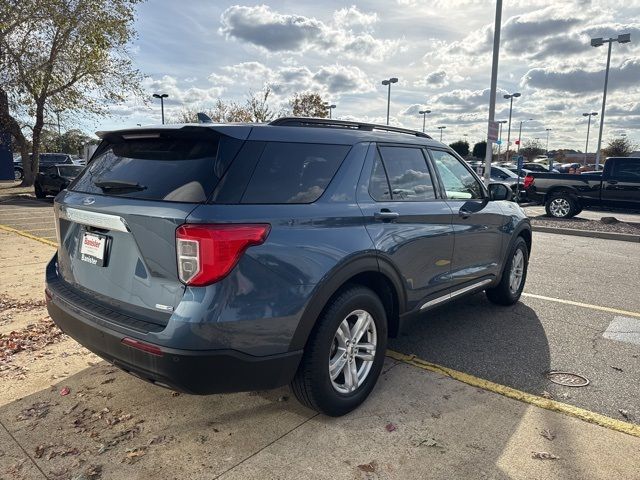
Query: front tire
[[514, 276], [344, 355], [561, 205]]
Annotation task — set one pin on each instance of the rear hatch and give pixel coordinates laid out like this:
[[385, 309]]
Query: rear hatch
[[117, 221]]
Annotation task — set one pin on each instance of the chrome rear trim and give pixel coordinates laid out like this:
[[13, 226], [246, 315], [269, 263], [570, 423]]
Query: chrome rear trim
[[94, 219]]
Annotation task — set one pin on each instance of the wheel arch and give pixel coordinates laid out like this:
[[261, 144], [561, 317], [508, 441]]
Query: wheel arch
[[523, 230], [369, 271]]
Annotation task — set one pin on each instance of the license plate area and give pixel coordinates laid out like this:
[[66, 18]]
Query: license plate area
[[94, 248]]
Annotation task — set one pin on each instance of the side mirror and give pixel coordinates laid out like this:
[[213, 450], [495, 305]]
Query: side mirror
[[499, 191]]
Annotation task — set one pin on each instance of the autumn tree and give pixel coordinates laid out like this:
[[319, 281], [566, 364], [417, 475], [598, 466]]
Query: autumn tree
[[56, 55], [531, 149], [309, 104], [618, 147], [461, 147]]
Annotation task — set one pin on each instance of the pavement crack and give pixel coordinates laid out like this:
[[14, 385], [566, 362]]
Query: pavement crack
[[22, 448], [265, 447]]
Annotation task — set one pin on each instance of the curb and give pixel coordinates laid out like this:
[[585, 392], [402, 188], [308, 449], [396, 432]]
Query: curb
[[624, 237], [538, 401], [8, 229]]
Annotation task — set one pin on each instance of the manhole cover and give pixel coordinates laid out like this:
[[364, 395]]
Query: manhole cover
[[568, 379]]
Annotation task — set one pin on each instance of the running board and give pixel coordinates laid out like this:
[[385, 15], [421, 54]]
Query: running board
[[452, 295]]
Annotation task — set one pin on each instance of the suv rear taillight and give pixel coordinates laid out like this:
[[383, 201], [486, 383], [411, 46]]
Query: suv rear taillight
[[528, 181], [207, 253]]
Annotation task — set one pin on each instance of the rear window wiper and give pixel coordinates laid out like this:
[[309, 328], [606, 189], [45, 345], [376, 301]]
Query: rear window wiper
[[119, 185]]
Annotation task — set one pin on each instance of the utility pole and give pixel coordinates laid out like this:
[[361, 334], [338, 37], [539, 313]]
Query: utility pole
[[494, 87]]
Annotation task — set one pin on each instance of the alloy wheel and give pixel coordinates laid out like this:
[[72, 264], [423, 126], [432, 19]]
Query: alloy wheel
[[560, 207], [517, 271], [352, 351]]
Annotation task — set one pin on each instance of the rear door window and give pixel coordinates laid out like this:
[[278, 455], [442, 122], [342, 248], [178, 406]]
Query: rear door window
[[168, 167], [407, 173], [293, 172]]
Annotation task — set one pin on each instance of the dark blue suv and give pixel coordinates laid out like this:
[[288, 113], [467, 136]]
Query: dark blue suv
[[218, 258]]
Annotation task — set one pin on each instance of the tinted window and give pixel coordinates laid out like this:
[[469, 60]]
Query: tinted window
[[171, 167], [626, 169], [378, 184], [458, 181], [408, 174], [293, 172], [70, 171]]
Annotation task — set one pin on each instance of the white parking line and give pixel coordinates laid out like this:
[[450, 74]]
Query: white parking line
[[584, 305], [623, 329]]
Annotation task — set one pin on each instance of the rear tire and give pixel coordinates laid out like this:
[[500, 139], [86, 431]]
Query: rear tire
[[18, 174], [514, 276], [561, 205], [313, 384], [38, 191]]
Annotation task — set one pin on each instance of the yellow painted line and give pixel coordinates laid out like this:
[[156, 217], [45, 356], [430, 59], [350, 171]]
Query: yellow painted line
[[28, 235], [584, 305], [541, 402]]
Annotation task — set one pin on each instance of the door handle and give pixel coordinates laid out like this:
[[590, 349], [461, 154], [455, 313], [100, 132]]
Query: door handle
[[385, 215], [612, 182]]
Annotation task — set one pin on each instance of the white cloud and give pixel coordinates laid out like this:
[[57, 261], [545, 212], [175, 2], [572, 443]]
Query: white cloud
[[275, 32]]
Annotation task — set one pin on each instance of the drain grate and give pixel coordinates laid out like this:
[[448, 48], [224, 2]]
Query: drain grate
[[568, 379]]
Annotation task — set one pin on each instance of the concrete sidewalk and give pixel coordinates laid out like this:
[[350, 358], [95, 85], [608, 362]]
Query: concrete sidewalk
[[416, 424]]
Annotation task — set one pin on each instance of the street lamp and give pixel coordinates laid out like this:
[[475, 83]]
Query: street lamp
[[520, 131], [424, 117], [441, 128], [161, 97], [598, 42], [586, 147], [510, 98], [330, 108], [501, 122], [388, 83], [57, 112]]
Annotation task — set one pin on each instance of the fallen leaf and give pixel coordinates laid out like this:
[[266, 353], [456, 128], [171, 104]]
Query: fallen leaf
[[544, 456], [40, 451], [548, 434], [624, 413], [175, 394], [134, 454], [390, 427], [616, 368], [547, 395], [369, 467], [108, 380], [65, 391]]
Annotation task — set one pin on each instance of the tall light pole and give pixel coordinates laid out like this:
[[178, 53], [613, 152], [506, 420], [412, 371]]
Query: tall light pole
[[161, 97], [586, 147], [424, 117], [330, 108], [441, 128], [597, 42], [388, 84], [488, 155], [501, 122], [546, 150], [510, 97], [520, 132]]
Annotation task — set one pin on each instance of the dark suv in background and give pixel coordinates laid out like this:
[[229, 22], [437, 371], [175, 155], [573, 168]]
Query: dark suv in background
[[218, 258]]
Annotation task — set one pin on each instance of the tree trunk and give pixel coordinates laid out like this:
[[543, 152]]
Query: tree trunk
[[8, 123], [35, 149]]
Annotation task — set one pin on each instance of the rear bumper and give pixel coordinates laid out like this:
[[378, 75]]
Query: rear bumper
[[191, 371]]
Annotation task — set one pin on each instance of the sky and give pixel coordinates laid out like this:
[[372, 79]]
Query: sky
[[202, 50]]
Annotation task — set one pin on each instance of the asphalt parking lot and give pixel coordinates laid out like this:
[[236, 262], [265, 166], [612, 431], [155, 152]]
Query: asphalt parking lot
[[517, 346]]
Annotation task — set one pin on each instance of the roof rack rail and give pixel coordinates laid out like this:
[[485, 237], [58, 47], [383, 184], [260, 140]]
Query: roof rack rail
[[330, 123]]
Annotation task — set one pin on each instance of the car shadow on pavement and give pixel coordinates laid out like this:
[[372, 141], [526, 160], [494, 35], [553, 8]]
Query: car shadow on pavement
[[506, 345]]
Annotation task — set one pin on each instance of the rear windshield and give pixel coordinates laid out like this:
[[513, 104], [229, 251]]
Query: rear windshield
[[53, 158], [293, 172], [172, 168]]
